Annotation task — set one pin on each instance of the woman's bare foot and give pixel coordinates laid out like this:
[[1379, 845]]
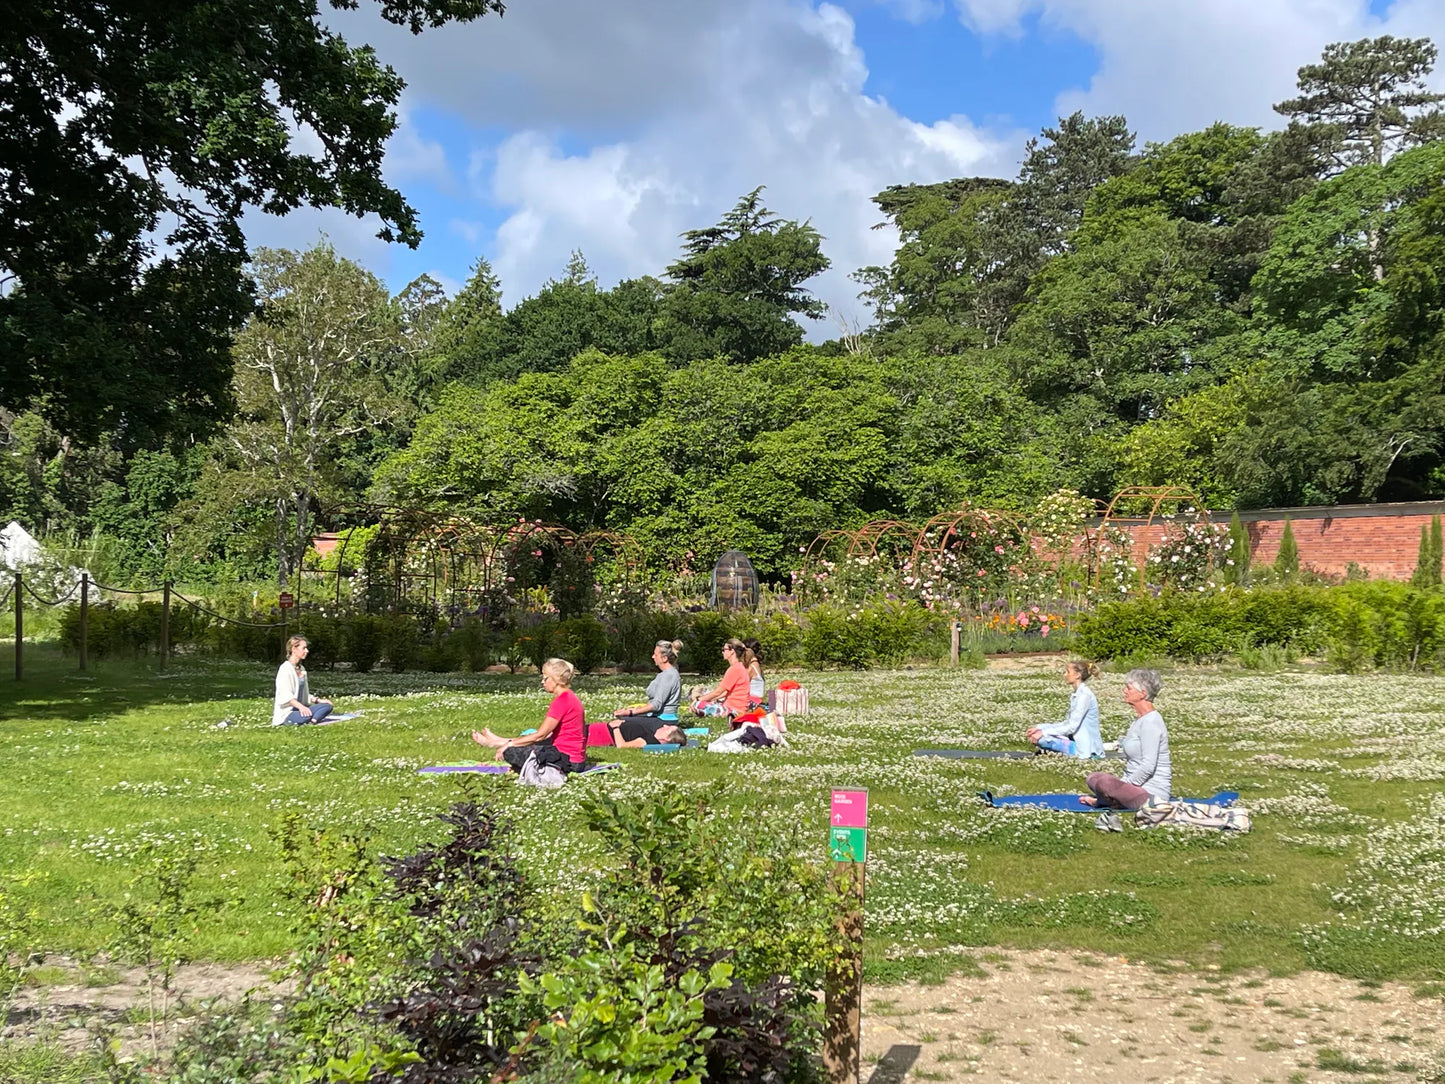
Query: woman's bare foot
[[1088, 799], [487, 738]]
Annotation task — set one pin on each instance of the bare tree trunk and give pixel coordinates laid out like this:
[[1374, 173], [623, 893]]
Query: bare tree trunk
[[283, 547], [303, 528]]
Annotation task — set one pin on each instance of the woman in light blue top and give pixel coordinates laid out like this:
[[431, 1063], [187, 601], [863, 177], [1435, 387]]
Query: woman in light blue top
[[1078, 735]]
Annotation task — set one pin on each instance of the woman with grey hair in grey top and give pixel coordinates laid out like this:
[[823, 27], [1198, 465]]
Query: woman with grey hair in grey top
[[1148, 772], [654, 720]]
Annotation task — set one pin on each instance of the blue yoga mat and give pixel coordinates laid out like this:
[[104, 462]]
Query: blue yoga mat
[[976, 754], [1069, 803], [663, 747], [696, 732]]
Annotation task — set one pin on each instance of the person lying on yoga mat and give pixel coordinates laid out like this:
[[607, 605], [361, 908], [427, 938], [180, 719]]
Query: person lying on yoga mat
[[560, 742], [1148, 772], [640, 730], [294, 705], [730, 696], [664, 694], [1078, 735]]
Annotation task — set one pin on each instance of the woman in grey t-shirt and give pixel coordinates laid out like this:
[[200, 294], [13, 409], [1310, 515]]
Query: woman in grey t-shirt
[[1148, 771], [659, 710]]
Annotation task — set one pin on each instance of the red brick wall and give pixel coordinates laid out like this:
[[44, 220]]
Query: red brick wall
[[1383, 539]]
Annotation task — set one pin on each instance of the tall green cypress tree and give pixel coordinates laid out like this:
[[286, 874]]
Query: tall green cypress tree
[[1286, 561], [1437, 550], [1238, 551], [1421, 576]]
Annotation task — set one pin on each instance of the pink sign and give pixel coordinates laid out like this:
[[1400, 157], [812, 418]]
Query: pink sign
[[850, 809]]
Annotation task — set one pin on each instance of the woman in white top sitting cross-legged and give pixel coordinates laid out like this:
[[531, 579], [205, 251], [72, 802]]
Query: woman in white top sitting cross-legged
[[1078, 735], [294, 705]]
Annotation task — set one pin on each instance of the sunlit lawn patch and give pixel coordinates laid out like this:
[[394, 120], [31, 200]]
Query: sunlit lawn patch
[[1345, 867]]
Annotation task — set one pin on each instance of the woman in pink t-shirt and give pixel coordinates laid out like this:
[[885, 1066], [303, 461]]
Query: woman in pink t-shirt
[[560, 742], [730, 697]]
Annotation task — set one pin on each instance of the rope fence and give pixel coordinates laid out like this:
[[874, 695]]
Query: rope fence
[[61, 601], [123, 590], [223, 617], [17, 589]]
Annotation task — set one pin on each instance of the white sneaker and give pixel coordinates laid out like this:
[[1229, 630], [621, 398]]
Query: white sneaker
[[1109, 821]]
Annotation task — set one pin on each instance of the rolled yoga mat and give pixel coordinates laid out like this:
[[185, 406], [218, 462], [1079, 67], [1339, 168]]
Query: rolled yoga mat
[[1070, 803]]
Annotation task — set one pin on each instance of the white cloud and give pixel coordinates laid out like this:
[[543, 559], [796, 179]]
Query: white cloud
[[1178, 66], [623, 124], [410, 157], [628, 123], [783, 106], [914, 11]]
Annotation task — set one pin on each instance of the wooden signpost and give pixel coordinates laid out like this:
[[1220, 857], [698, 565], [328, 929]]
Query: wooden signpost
[[848, 847]]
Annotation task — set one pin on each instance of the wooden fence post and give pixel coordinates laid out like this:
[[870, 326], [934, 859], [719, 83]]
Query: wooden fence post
[[19, 625], [843, 977], [84, 616], [956, 628], [165, 623], [843, 983]]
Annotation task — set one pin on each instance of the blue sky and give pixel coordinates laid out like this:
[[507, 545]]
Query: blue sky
[[612, 127]]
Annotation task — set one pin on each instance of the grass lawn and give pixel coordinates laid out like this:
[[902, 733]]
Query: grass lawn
[[1345, 867]]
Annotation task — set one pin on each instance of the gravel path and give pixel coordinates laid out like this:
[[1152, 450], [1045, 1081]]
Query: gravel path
[[1031, 1016], [1051, 1016]]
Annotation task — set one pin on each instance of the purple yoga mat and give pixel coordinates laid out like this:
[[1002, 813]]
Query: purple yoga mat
[[485, 769], [502, 769]]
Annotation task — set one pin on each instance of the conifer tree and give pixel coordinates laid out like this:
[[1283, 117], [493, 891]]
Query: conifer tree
[[1238, 551], [1286, 561], [1421, 576], [1437, 551]]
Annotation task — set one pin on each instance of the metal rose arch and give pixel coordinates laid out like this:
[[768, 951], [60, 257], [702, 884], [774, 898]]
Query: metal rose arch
[[420, 558], [1131, 513]]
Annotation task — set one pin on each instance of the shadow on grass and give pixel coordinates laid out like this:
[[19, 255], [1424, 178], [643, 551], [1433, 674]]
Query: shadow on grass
[[54, 687], [894, 1065]]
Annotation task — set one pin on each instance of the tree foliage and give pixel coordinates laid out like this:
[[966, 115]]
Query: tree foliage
[[1366, 100], [737, 285], [308, 376], [1258, 316], [135, 138]]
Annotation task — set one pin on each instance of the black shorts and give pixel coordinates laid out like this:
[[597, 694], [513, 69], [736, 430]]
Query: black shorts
[[645, 727], [548, 756]]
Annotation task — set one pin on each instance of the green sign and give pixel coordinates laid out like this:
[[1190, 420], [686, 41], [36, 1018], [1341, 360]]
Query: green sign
[[848, 844]]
